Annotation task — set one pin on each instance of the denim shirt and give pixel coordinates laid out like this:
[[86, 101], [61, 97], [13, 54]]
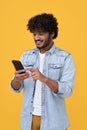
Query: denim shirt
[[58, 66]]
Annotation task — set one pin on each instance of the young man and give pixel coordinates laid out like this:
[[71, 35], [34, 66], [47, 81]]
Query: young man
[[49, 78]]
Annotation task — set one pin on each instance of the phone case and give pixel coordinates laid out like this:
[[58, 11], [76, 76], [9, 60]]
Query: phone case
[[18, 65]]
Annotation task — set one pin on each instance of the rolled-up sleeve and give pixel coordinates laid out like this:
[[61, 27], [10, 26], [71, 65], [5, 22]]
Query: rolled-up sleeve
[[16, 90], [66, 82]]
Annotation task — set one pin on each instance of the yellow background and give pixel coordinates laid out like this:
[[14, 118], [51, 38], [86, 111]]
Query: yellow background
[[15, 39]]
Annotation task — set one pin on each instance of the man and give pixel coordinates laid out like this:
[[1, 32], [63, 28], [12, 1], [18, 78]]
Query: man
[[49, 78]]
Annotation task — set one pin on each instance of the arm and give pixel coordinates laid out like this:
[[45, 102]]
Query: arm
[[53, 85], [62, 87], [37, 75], [16, 82], [66, 82]]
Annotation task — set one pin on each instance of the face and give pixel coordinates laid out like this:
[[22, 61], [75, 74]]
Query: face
[[42, 39]]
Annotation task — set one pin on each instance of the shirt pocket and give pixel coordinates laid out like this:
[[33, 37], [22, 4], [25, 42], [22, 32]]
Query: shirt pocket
[[28, 64], [54, 71]]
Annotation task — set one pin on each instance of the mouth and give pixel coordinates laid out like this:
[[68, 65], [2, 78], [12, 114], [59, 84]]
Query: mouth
[[39, 42]]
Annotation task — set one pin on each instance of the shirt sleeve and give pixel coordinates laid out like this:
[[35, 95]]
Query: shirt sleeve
[[16, 90], [66, 82], [21, 84]]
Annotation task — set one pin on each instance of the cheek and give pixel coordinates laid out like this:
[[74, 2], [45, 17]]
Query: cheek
[[33, 38]]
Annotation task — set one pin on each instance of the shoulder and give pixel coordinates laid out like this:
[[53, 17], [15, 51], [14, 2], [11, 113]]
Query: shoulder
[[30, 52], [29, 56], [61, 52], [63, 55]]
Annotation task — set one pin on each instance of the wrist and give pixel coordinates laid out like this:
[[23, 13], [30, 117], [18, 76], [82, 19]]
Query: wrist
[[45, 79], [16, 80], [15, 83]]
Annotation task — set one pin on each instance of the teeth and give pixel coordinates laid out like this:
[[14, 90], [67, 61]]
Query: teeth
[[38, 41]]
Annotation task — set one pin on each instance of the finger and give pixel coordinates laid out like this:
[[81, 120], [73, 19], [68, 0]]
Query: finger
[[20, 71], [35, 77], [32, 69], [22, 76]]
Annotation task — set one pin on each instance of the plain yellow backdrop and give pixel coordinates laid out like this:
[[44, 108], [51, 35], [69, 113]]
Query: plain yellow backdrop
[[15, 39]]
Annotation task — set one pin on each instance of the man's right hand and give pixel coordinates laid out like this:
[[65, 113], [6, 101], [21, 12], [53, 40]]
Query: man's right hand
[[18, 77]]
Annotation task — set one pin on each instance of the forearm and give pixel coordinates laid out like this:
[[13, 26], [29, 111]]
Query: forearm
[[15, 83], [53, 85], [18, 78], [37, 75]]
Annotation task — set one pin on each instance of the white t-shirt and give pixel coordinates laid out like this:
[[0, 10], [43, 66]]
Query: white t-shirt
[[37, 96]]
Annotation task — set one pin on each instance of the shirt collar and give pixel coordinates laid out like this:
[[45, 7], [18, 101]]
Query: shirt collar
[[52, 49]]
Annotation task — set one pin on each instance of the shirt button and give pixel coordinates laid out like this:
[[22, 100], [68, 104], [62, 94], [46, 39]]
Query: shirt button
[[30, 113]]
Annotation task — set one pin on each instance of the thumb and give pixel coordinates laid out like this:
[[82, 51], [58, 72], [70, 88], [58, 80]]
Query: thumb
[[31, 69]]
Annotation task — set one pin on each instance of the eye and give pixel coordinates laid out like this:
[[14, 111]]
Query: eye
[[41, 34], [34, 34]]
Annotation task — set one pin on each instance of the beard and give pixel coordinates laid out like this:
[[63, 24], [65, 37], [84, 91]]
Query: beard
[[46, 43]]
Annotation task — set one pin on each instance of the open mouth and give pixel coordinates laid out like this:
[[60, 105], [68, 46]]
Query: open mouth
[[39, 42]]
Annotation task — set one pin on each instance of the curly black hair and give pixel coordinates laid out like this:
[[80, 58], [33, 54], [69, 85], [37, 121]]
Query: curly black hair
[[43, 22]]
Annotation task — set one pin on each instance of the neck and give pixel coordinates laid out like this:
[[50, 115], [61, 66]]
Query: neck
[[43, 50]]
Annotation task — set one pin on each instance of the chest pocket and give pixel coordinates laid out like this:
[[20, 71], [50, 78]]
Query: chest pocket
[[28, 64], [54, 71]]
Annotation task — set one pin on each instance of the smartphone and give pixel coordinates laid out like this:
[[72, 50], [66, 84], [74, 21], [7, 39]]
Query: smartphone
[[18, 65]]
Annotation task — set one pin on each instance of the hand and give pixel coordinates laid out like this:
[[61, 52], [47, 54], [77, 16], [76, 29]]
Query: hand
[[36, 74], [19, 76]]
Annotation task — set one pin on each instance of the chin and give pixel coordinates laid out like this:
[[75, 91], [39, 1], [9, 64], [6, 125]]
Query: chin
[[39, 47]]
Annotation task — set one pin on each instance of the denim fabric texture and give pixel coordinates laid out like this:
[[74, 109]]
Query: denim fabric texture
[[59, 66]]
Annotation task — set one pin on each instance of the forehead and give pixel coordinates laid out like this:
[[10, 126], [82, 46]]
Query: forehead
[[39, 30]]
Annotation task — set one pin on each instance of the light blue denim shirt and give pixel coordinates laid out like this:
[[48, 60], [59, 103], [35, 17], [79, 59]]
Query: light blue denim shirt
[[58, 66]]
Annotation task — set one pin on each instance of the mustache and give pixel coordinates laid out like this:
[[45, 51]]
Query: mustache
[[38, 40]]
